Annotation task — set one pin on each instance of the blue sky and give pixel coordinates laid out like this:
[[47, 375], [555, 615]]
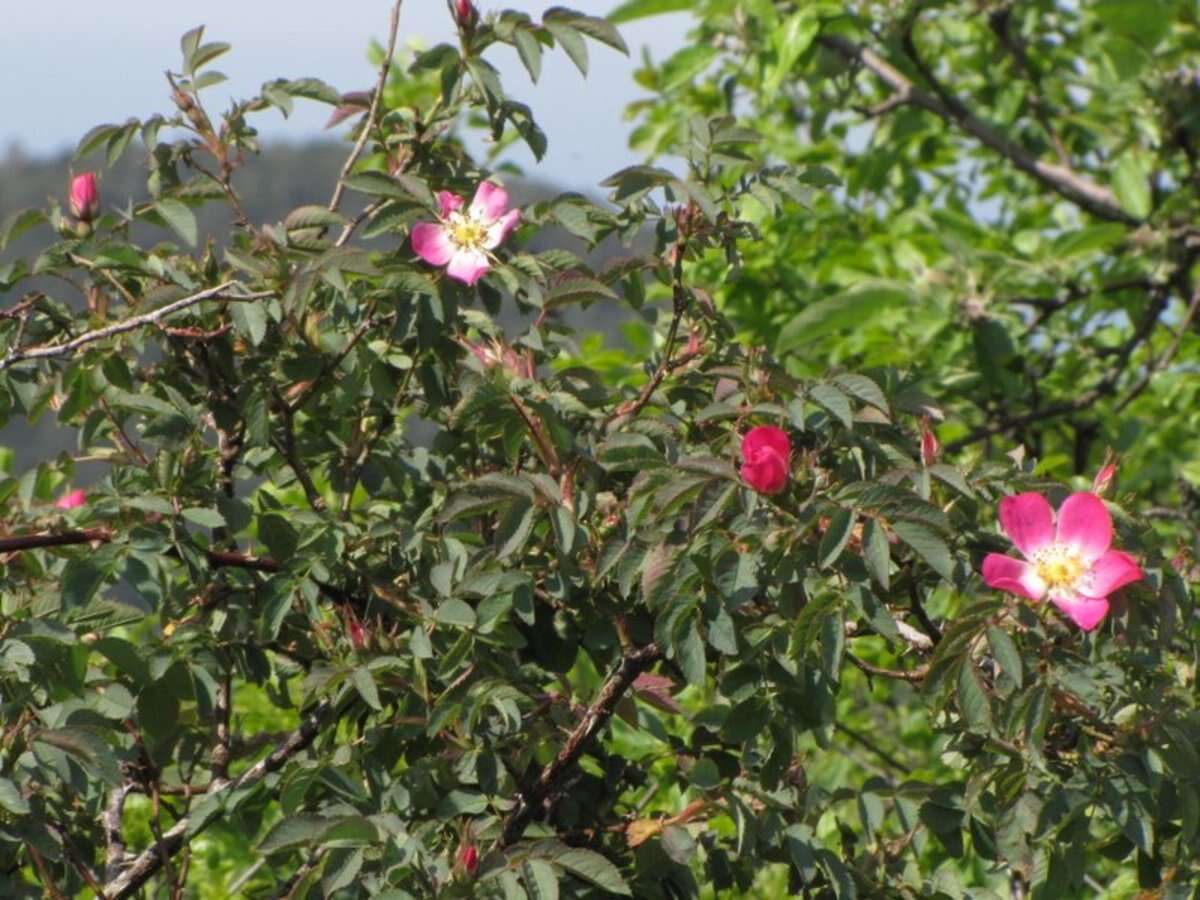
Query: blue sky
[[64, 71]]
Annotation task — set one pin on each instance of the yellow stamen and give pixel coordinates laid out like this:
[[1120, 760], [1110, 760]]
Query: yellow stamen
[[467, 233], [1060, 567]]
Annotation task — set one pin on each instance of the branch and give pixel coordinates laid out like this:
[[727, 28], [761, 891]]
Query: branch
[[114, 834], [16, 355], [1094, 198], [217, 558], [150, 860], [373, 112], [911, 675], [631, 666]]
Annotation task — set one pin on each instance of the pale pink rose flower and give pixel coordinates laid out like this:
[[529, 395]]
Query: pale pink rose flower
[[1067, 557], [461, 239]]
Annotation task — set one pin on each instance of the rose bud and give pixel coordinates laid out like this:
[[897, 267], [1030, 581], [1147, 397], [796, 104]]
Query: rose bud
[[931, 448], [468, 858], [1103, 481], [85, 197], [766, 459], [465, 13]]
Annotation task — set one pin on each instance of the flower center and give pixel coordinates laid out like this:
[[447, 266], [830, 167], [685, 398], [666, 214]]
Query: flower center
[[1060, 567], [467, 232]]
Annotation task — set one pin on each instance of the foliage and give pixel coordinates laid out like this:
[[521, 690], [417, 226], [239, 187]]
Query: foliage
[[373, 581]]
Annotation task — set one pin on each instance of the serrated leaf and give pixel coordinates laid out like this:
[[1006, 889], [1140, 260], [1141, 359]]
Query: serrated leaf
[[529, 49], [12, 799], [833, 400], [541, 881], [312, 217], [205, 518], [595, 869], [364, 683], [571, 41], [1006, 653], [180, 218], [836, 537], [928, 545], [973, 700], [846, 310], [876, 553]]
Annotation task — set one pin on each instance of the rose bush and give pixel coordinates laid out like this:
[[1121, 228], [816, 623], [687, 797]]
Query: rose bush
[[378, 598]]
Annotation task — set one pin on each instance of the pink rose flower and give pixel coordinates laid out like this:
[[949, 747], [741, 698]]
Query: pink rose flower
[[72, 500], [461, 239], [84, 198], [931, 448], [1068, 560], [766, 459]]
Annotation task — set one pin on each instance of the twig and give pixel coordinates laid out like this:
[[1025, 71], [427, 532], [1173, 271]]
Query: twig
[[1161, 363], [219, 761], [863, 740], [150, 860], [288, 448], [373, 112], [631, 666], [114, 834], [1094, 198], [679, 305], [353, 224], [216, 558], [912, 675], [16, 355]]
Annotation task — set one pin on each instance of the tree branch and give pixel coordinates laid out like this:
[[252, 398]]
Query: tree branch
[[150, 860], [373, 112], [1094, 198], [16, 355], [631, 666], [217, 558]]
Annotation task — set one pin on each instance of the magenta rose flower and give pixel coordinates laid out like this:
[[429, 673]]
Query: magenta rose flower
[[766, 459], [84, 197], [461, 239], [1067, 557]]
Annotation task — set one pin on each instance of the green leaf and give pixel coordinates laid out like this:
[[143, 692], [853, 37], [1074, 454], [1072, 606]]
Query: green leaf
[[1132, 186], [1006, 653], [12, 799], [80, 580], [540, 879], [364, 683], [836, 537], [529, 49], [876, 553], [205, 518], [928, 545], [846, 310], [833, 400], [180, 218], [593, 868], [790, 41], [571, 41], [632, 10], [973, 699], [456, 612], [596, 28], [291, 832], [312, 217]]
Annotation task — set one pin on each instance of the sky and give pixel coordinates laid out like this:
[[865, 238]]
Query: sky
[[61, 72]]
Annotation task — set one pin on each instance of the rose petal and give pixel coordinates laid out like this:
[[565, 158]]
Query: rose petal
[[72, 500], [1084, 523], [766, 438], [1086, 612], [1013, 575], [432, 243], [768, 475], [448, 203], [490, 202], [468, 266], [1028, 520], [1113, 570], [499, 229]]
